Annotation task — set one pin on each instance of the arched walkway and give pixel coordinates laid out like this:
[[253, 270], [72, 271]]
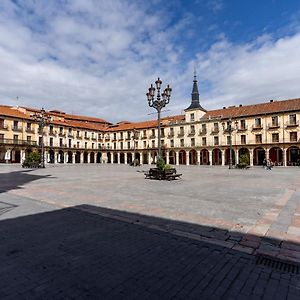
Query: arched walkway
[[129, 158], [122, 158], [227, 156], [244, 152], [108, 157], [92, 157], [85, 157], [51, 156], [61, 158], [70, 157], [293, 156], [204, 157], [275, 155], [138, 157], [172, 157], [193, 157], [145, 158], [216, 156], [182, 157], [99, 157], [115, 157], [15, 156], [2, 154], [259, 155], [77, 157]]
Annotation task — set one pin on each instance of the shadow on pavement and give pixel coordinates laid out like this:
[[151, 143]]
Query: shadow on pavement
[[91, 252]]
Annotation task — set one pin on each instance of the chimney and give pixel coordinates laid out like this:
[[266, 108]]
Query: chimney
[[224, 107], [271, 100], [240, 105]]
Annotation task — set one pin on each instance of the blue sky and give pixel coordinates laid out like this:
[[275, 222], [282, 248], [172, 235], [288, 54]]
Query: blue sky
[[98, 58]]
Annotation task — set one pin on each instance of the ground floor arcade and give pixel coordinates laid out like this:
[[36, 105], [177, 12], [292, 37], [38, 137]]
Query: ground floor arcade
[[280, 156]]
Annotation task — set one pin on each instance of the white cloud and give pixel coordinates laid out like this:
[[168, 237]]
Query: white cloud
[[99, 57]]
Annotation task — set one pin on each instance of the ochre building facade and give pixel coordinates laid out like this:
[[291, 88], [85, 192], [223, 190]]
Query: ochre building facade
[[198, 137]]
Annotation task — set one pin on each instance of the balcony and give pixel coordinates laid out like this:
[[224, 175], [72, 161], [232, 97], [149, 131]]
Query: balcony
[[70, 135], [17, 128], [17, 142], [29, 130], [121, 138], [107, 138], [202, 132], [215, 131], [3, 126], [162, 135], [257, 127], [94, 138], [78, 136], [52, 133], [152, 136], [128, 138], [180, 134], [61, 134], [242, 128], [273, 126], [86, 137], [191, 133], [144, 137], [171, 135], [292, 124]]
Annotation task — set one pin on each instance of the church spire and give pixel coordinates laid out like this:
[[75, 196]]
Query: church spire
[[195, 95]]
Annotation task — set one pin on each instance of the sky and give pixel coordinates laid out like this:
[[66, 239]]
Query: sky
[[98, 57]]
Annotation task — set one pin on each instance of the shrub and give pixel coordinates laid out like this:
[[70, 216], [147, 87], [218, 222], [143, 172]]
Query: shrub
[[160, 164], [244, 160], [167, 167], [33, 157]]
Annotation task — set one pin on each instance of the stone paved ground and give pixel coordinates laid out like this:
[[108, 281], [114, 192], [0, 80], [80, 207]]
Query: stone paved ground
[[233, 212], [73, 254]]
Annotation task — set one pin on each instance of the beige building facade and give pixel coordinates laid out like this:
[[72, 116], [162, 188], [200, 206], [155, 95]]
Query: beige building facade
[[198, 137]]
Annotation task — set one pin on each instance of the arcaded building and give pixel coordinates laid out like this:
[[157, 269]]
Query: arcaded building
[[198, 137]]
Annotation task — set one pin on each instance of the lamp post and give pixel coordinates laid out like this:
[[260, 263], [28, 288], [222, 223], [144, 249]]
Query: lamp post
[[135, 137], [158, 103], [229, 129], [42, 119]]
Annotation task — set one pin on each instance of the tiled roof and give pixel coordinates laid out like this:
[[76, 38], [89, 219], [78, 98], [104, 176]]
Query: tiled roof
[[13, 112], [145, 124], [255, 109]]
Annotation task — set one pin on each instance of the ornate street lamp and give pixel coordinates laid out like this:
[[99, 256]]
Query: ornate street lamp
[[135, 136], [229, 129], [43, 119], [161, 101]]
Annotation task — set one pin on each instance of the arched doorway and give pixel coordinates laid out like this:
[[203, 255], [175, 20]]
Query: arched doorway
[[129, 158], [122, 158], [2, 154], [204, 157], [193, 157], [51, 156], [216, 156], [172, 157], [99, 157], [92, 157], [15, 156], [77, 157], [85, 157], [244, 153], [61, 158], [293, 156], [138, 157], [153, 157], [227, 156], [108, 157], [182, 157], [70, 157], [259, 155], [115, 156], [145, 158], [275, 155]]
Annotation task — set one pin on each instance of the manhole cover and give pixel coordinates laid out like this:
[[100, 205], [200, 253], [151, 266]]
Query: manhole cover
[[277, 264]]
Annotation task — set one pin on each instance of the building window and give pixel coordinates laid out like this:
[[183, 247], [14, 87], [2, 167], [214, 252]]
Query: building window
[[275, 121], [92, 145], [275, 137], [144, 144], [1, 136], [192, 117], [29, 138], [51, 142], [85, 134], [128, 145], [216, 140], [204, 141], [115, 146], [99, 146], [85, 145], [258, 138], [153, 144], [121, 135], [16, 123], [228, 140], [115, 136], [292, 119], [70, 143], [257, 123], [172, 143], [162, 132], [61, 130], [60, 142], [78, 145], [193, 142], [121, 145], [78, 134], [243, 124], [243, 139], [192, 129], [28, 126], [40, 140], [216, 127], [181, 142], [293, 136], [181, 131]]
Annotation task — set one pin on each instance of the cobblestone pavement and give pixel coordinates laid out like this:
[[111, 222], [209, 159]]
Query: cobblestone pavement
[[75, 254]]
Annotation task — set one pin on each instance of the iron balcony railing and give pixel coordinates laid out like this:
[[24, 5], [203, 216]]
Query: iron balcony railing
[[17, 142], [17, 128], [292, 124], [273, 126]]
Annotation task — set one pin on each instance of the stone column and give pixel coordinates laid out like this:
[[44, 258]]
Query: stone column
[[66, 158], [89, 158], [149, 158], [267, 153], [210, 157], [187, 155], [177, 157], [125, 158], [198, 157], [104, 157], [167, 157], [73, 157], [223, 157], [284, 152], [251, 157], [141, 158], [55, 157], [118, 155], [81, 157], [236, 157]]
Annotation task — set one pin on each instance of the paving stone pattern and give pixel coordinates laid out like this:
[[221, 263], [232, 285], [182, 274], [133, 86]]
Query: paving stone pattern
[[73, 254]]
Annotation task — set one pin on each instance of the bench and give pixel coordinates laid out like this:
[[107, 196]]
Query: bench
[[242, 166], [33, 164], [155, 173]]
